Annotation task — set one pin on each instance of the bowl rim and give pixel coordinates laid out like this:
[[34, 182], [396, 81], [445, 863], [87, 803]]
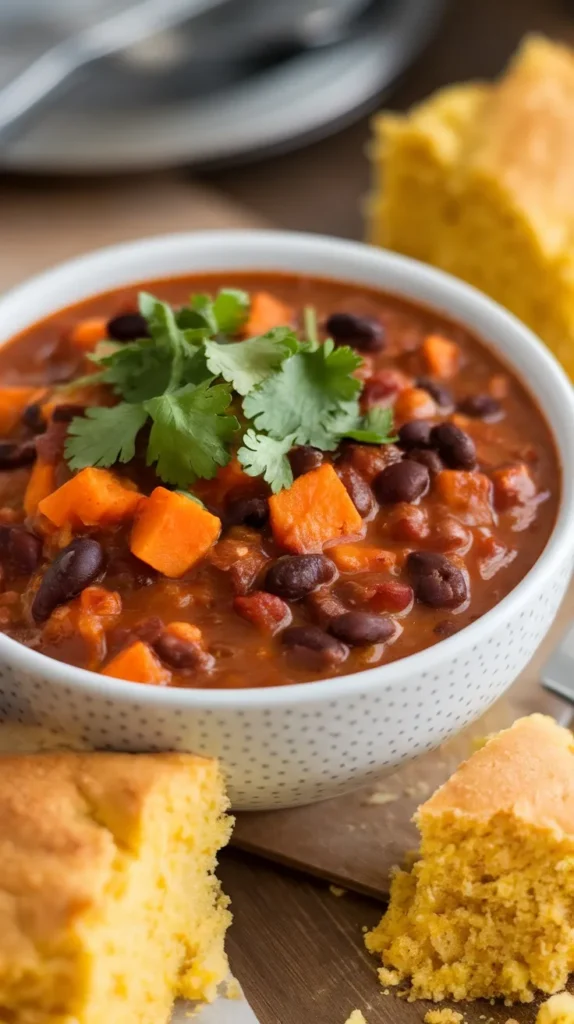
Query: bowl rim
[[449, 291]]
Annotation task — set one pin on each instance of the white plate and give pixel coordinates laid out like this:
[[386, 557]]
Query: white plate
[[304, 97]]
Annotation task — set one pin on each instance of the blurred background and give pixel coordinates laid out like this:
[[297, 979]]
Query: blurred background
[[123, 117]]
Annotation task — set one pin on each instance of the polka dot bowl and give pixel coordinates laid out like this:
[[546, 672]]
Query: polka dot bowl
[[290, 745]]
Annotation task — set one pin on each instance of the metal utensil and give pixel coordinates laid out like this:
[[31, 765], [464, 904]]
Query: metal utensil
[[38, 83], [217, 30]]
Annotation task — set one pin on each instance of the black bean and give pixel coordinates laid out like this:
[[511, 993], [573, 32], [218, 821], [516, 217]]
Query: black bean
[[304, 458], [358, 489], [441, 394], [362, 332], [455, 447], [292, 577], [74, 568], [14, 454], [25, 549], [182, 654], [481, 407], [251, 511], [415, 434], [128, 327], [361, 629], [436, 581], [313, 646], [403, 481], [33, 419], [428, 458], [66, 412]]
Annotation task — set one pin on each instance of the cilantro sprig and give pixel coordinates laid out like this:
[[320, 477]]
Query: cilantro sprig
[[187, 383]]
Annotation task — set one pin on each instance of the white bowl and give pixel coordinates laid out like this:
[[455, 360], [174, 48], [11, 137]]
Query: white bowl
[[295, 744]]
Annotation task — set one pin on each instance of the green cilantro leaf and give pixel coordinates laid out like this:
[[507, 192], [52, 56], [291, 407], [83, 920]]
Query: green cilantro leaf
[[231, 309], [307, 397], [104, 435], [192, 497], [247, 363], [266, 457], [191, 432], [137, 371], [376, 427]]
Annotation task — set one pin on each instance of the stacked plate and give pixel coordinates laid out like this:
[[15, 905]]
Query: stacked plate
[[232, 78]]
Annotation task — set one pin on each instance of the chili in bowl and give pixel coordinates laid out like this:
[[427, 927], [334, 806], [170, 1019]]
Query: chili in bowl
[[309, 518]]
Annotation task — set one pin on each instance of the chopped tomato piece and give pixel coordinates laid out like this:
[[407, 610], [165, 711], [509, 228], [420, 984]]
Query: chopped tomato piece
[[266, 611], [493, 555], [382, 386], [137, 664], [407, 522], [392, 596], [451, 535], [513, 485], [441, 356], [241, 556], [324, 605], [369, 460], [313, 511]]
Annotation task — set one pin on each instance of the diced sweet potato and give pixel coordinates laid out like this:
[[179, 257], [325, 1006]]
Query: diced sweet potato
[[97, 610], [94, 497], [467, 494], [441, 356], [13, 401], [361, 558], [313, 511], [266, 313], [228, 478], [87, 333], [414, 404], [172, 532], [266, 611], [186, 631], [42, 482], [137, 664], [513, 485]]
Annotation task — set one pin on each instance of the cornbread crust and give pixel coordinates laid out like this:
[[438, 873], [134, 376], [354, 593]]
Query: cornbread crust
[[488, 909], [101, 911], [478, 180]]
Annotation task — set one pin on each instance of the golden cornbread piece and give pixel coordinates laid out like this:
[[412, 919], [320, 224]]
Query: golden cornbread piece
[[488, 909], [478, 181], [108, 902]]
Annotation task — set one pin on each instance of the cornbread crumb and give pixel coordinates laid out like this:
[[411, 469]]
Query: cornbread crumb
[[336, 890], [233, 989], [356, 1018], [487, 910], [110, 909], [380, 798], [559, 1009], [445, 1016]]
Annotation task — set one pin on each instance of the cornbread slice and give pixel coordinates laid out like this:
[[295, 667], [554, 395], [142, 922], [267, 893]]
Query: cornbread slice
[[108, 901], [488, 909], [478, 180], [559, 1009]]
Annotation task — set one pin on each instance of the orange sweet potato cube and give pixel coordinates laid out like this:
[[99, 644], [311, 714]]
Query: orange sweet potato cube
[[94, 497], [13, 401], [172, 532], [467, 494], [41, 483], [138, 664], [442, 356], [316, 509], [361, 558], [266, 313]]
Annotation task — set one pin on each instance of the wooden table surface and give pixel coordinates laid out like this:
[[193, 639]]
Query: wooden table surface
[[297, 948]]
